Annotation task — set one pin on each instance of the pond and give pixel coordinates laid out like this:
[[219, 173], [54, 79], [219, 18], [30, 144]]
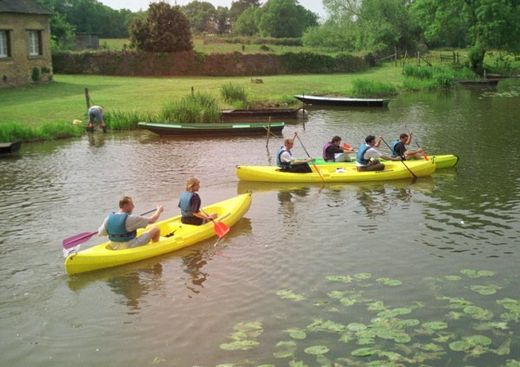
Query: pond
[[391, 273]]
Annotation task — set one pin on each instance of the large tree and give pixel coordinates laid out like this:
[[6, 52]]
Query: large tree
[[247, 22], [239, 6], [165, 28], [199, 14], [285, 18]]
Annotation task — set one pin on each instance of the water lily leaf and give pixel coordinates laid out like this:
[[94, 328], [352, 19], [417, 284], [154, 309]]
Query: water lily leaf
[[513, 306], [456, 303], [346, 337], [240, 345], [503, 349], [289, 294], [459, 346], [452, 278], [430, 347], [336, 294], [316, 350], [348, 301], [356, 326], [328, 326], [365, 352], [362, 276], [389, 282], [285, 349], [410, 322], [499, 325], [473, 344], [266, 365], [297, 364], [296, 333], [452, 315], [485, 290], [391, 313], [475, 340], [478, 313], [513, 363], [245, 330], [435, 325], [339, 278], [323, 361], [471, 273], [376, 306]]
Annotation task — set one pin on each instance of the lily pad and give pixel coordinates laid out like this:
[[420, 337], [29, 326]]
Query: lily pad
[[296, 333], [285, 349], [498, 325], [394, 312], [513, 363], [348, 301], [376, 306], [362, 276], [289, 294], [356, 326], [339, 278], [470, 342], [435, 325], [316, 350], [336, 294], [452, 278], [365, 352], [485, 290], [430, 347], [297, 364], [243, 344], [478, 313], [327, 325], [513, 306], [471, 273], [389, 282]]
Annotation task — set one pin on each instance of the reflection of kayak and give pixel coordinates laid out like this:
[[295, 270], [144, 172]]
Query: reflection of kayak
[[174, 236], [441, 161], [338, 172]]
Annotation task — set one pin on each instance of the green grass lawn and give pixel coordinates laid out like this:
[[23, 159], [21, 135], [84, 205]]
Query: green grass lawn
[[63, 100]]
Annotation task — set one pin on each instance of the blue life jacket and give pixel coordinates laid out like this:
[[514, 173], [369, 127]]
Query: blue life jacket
[[360, 156], [116, 228], [393, 144], [326, 156], [185, 203], [279, 163]]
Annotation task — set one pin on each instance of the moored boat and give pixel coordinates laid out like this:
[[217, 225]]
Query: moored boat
[[343, 101], [479, 82], [338, 172], [244, 128], [174, 236], [10, 147], [263, 114]]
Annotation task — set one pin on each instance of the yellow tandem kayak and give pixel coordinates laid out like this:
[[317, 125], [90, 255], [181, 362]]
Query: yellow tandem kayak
[[440, 160], [174, 236], [337, 172]]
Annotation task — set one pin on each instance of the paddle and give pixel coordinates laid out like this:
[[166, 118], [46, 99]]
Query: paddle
[[80, 238], [308, 155], [402, 161], [425, 156], [220, 228]]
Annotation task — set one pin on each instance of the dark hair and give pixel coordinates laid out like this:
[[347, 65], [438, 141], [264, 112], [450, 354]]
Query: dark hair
[[369, 138], [403, 136], [335, 139], [124, 200]]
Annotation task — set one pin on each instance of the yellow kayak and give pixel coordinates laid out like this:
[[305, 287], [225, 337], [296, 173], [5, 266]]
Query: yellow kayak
[[338, 172], [174, 236], [440, 160]]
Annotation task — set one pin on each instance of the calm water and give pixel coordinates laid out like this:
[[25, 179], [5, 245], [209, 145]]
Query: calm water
[[408, 274]]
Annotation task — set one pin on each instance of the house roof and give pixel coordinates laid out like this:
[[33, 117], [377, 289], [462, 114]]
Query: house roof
[[23, 7]]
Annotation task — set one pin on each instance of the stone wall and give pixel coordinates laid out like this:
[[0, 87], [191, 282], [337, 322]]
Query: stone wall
[[17, 69]]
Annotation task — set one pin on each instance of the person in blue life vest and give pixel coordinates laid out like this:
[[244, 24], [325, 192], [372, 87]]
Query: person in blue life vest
[[287, 163], [95, 115], [333, 151], [399, 148], [367, 157], [190, 202], [121, 227]]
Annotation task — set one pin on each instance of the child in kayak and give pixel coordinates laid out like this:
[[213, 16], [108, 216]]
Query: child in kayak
[[190, 202]]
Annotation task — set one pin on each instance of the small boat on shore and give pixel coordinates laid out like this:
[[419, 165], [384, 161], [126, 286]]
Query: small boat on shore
[[174, 236], [9, 148], [260, 114], [343, 101], [338, 172], [244, 128], [479, 82]]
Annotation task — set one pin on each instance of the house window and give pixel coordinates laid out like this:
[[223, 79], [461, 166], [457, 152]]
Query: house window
[[5, 49], [35, 43]]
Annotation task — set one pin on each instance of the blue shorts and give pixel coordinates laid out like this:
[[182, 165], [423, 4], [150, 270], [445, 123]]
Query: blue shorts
[[95, 115]]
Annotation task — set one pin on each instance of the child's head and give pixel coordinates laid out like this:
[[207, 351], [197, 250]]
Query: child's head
[[192, 184]]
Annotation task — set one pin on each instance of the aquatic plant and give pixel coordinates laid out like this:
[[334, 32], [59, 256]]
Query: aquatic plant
[[191, 109], [372, 88], [289, 294], [234, 94]]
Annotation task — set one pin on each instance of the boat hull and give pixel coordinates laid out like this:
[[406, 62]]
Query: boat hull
[[260, 114], [213, 129], [8, 148], [180, 235], [441, 161], [338, 172], [343, 101]]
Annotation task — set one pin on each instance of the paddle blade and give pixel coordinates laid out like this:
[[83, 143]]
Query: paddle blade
[[77, 239], [221, 229]]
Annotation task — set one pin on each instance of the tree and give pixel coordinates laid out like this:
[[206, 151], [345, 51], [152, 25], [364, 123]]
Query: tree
[[199, 14], [62, 32], [239, 6], [285, 18], [165, 28], [222, 19], [247, 22]]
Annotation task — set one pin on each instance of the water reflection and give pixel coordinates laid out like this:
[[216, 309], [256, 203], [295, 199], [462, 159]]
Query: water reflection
[[96, 140]]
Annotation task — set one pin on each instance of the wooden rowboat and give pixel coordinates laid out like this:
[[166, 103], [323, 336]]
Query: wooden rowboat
[[257, 114], [8, 148], [245, 128], [343, 101]]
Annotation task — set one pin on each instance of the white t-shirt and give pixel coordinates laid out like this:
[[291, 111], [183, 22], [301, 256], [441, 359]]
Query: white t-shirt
[[286, 157], [370, 153]]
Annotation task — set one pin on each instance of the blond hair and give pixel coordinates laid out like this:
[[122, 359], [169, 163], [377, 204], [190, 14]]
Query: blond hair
[[191, 182], [124, 200]]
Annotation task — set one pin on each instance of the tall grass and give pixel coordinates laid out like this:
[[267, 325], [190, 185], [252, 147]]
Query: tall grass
[[127, 120], [13, 131], [191, 109], [234, 94], [427, 77], [372, 88]]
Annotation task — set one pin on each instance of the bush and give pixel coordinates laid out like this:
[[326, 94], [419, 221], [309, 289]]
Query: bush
[[419, 72], [371, 88], [12, 131], [35, 75], [191, 109], [233, 93]]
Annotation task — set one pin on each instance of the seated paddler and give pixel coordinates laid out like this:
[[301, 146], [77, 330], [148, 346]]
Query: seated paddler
[[333, 151], [190, 202], [121, 226], [286, 161]]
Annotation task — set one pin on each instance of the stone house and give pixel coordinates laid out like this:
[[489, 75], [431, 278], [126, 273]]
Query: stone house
[[25, 52]]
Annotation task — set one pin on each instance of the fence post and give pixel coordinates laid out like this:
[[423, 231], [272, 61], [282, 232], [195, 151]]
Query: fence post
[[395, 54], [87, 98]]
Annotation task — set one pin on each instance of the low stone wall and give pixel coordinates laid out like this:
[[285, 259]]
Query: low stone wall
[[192, 63]]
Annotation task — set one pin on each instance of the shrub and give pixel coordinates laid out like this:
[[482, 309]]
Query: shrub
[[35, 75], [419, 72], [12, 131], [194, 108]]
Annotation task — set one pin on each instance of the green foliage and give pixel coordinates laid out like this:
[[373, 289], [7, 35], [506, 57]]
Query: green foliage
[[234, 94], [221, 18], [194, 108], [127, 119], [331, 36], [426, 77], [35, 74], [239, 6], [417, 71], [287, 41], [372, 88], [199, 14], [164, 29], [308, 62], [50, 130], [285, 18], [247, 22]]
